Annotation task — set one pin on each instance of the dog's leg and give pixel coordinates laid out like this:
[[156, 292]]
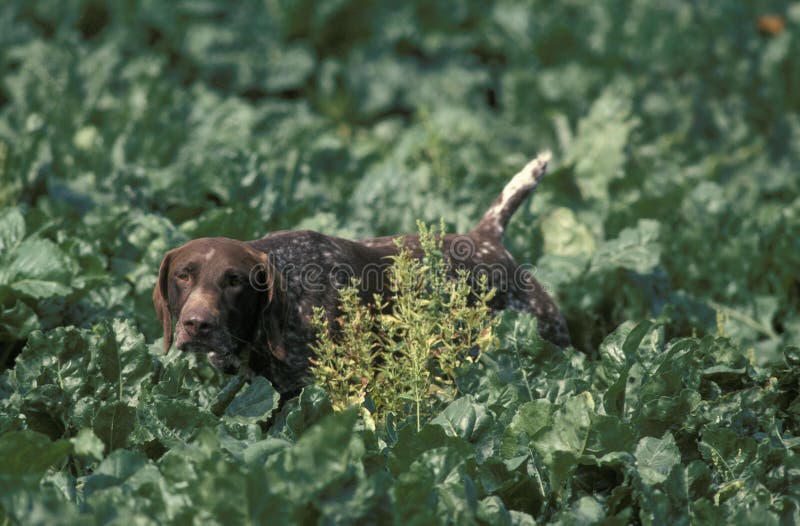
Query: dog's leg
[[528, 295]]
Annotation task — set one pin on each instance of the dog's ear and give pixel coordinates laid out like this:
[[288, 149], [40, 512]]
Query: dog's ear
[[161, 300], [273, 307]]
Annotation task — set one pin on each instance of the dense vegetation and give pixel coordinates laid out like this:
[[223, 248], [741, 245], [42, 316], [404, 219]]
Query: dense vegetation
[[668, 230]]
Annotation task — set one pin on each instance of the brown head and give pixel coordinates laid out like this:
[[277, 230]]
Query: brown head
[[222, 295]]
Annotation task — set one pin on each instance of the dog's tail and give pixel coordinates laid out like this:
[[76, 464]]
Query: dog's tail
[[494, 221]]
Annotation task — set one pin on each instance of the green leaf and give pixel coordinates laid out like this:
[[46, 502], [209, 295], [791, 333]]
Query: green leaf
[[118, 466], [171, 420], [114, 423], [255, 404], [414, 497], [585, 510], [520, 333], [37, 267], [491, 510], [319, 458], [27, 453], [655, 458], [411, 444], [656, 415], [570, 427], [560, 271], [87, 444], [60, 358], [37, 288], [598, 149], [302, 412], [529, 419], [612, 350], [532, 417], [12, 229], [731, 454], [609, 434], [123, 359], [437, 487], [47, 504], [634, 339], [667, 502], [636, 249], [288, 69], [227, 394], [472, 422], [564, 235], [256, 453], [17, 322]]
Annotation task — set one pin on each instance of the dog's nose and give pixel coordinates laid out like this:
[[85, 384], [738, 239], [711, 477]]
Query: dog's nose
[[199, 324]]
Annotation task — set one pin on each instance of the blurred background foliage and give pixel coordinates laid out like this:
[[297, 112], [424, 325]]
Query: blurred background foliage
[[128, 127]]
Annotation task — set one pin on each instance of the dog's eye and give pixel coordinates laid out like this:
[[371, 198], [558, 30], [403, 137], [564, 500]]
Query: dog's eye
[[183, 276], [233, 280]]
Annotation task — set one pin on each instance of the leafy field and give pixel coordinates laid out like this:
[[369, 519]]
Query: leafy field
[[668, 229]]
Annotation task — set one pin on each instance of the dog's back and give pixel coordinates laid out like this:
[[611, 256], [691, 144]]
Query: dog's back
[[481, 251]]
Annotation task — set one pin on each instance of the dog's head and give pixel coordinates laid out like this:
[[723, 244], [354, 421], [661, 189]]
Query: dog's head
[[222, 296]]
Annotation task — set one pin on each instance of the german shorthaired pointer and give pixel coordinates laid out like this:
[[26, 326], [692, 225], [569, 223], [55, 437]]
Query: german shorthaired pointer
[[227, 296]]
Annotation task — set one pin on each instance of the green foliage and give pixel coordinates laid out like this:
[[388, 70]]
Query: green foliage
[[404, 355], [668, 230], [344, 364]]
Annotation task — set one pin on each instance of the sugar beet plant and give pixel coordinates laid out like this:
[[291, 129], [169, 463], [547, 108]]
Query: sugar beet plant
[[401, 356], [667, 229]]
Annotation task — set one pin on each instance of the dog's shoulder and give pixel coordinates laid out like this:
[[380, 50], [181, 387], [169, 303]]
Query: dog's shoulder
[[304, 247]]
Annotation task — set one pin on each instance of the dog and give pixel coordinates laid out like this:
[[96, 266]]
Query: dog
[[225, 296]]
